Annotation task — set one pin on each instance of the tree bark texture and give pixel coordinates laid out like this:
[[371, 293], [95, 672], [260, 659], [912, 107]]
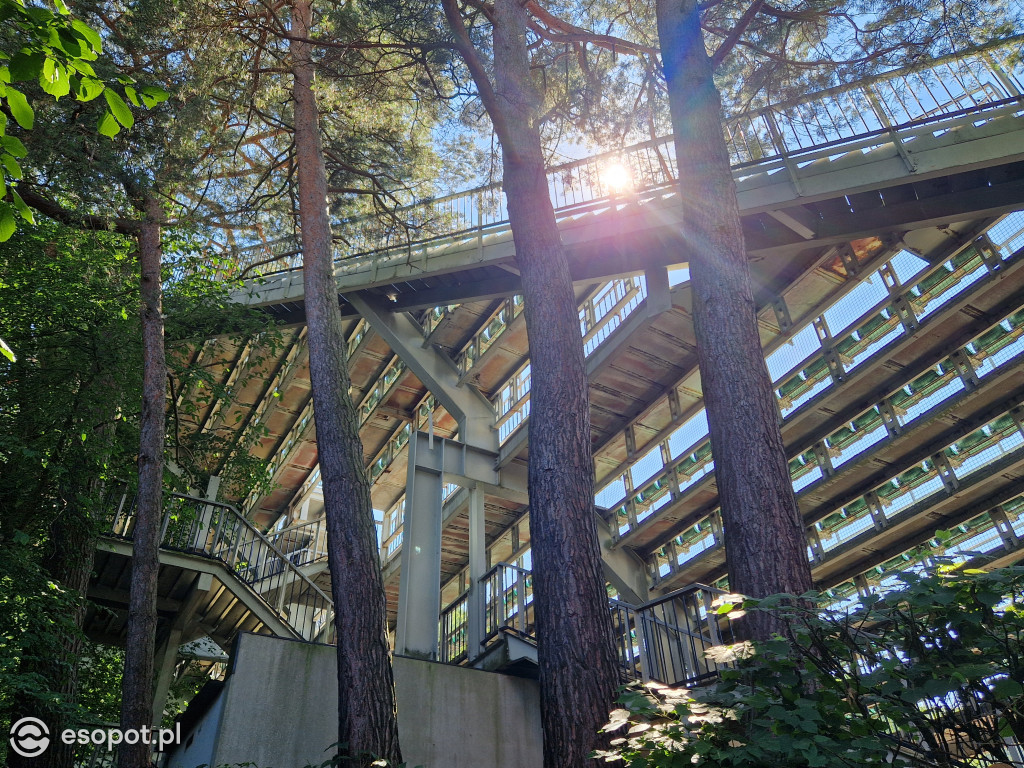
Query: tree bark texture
[[137, 684], [68, 561], [765, 544], [579, 674], [367, 716]]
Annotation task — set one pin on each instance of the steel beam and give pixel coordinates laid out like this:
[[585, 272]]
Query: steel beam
[[474, 414]]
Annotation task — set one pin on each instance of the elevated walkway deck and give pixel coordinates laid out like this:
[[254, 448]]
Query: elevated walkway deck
[[888, 297]]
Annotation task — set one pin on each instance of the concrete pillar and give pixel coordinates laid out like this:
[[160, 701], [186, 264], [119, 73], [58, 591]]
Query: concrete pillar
[[419, 592], [475, 610]]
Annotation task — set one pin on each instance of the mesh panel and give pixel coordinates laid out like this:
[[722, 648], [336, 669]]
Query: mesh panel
[[803, 344], [853, 305], [688, 434]]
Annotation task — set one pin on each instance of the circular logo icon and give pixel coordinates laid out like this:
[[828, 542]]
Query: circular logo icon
[[30, 737]]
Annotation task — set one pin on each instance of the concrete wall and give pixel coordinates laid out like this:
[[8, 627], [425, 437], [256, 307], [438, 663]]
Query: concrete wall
[[279, 710]]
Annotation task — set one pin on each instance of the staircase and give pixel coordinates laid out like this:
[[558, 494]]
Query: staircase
[[263, 583]]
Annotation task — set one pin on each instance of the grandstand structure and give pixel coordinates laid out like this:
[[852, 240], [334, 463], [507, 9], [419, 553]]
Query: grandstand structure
[[885, 226]]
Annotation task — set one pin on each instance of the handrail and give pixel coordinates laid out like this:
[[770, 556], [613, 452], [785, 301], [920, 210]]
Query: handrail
[[219, 531], [291, 535], [477, 207], [664, 639], [246, 523], [694, 587], [499, 566]]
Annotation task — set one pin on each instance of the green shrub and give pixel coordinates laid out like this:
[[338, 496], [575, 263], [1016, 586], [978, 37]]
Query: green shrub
[[928, 675]]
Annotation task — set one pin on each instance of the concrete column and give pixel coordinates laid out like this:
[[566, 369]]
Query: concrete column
[[476, 607], [419, 592]]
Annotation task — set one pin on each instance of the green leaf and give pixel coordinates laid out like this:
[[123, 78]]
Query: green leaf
[[20, 108], [54, 79], [23, 209], [152, 95], [88, 34], [14, 146], [7, 224], [133, 97], [989, 599], [11, 166], [62, 9], [7, 352], [87, 88], [70, 42], [1005, 688], [108, 126], [26, 65], [119, 109]]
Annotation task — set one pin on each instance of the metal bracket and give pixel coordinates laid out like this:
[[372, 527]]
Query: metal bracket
[[1004, 527], [877, 514], [850, 263], [890, 419], [828, 352], [782, 316], [945, 470], [824, 460], [965, 369]]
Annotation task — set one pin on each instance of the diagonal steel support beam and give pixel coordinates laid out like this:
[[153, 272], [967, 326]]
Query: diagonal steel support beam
[[467, 406]]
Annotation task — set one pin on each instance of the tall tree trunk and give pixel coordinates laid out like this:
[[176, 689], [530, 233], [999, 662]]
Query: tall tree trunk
[[70, 551], [137, 684], [765, 545], [69, 562], [367, 718], [578, 670]]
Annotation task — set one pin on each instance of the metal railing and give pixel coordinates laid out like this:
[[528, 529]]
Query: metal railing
[[666, 639], [304, 543], [508, 601], [220, 532], [454, 628], [892, 108]]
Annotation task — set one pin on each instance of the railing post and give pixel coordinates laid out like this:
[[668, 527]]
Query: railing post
[[218, 534], [206, 514], [780, 146], [521, 600], [713, 631], [165, 524], [883, 118], [643, 644], [117, 515]]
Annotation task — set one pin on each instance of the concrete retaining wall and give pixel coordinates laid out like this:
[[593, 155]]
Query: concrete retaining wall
[[279, 710]]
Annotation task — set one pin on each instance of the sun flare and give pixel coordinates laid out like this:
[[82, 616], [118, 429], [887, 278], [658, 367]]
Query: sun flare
[[617, 177]]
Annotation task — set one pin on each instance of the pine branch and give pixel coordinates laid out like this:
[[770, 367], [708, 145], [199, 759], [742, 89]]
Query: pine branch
[[736, 33], [484, 86]]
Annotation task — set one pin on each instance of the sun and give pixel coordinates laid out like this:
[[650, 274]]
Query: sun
[[617, 177]]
